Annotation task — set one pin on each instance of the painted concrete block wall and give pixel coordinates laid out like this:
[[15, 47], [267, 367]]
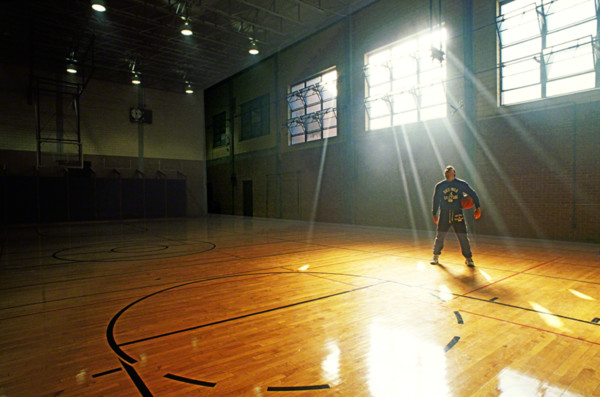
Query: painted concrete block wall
[[17, 117], [105, 124]]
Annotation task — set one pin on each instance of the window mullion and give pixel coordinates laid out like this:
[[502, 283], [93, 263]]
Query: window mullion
[[417, 91], [540, 11], [595, 44]]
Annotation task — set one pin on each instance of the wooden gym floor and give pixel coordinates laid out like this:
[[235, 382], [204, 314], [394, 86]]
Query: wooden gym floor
[[233, 306]]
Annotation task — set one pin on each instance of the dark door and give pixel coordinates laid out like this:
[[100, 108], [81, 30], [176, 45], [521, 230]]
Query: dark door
[[248, 210]]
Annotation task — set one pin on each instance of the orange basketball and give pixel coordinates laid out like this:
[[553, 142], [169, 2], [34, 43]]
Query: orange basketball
[[466, 202]]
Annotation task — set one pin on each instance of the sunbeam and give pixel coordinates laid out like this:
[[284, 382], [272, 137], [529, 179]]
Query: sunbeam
[[405, 189], [416, 177], [434, 145], [315, 206]]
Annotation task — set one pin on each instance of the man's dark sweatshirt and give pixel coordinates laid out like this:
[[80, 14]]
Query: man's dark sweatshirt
[[447, 195]]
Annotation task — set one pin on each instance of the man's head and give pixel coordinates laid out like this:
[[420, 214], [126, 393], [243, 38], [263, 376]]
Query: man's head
[[449, 173]]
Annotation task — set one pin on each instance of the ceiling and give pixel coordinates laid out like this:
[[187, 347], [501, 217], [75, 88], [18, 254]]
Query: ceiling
[[144, 35]]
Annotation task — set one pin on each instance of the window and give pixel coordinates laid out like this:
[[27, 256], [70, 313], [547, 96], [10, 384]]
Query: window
[[313, 108], [547, 48], [255, 117], [405, 81], [219, 127]]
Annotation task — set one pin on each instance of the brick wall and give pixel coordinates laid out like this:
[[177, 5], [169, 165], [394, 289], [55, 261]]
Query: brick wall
[[534, 165]]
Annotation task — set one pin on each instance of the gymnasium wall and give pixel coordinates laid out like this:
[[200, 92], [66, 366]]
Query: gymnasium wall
[[167, 179], [534, 165]]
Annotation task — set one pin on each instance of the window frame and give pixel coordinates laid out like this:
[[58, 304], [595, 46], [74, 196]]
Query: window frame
[[398, 99], [219, 129], [249, 128], [551, 53], [312, 108]]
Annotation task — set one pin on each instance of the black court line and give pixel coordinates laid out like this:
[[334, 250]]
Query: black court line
[[125, 274], [137, 381], [110, 338], [436, 296], [458, 317], [245, 316], [117, 348], [61, 227], [65, 251], [79, 297], [431, 292], [451, 344], [528, 309], [140, 384], [190, 380], [297, 388], [156, 248], [110, 371]]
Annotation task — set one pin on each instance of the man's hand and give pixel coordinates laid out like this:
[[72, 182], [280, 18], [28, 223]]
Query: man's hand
[[435, 219], [477, 213]]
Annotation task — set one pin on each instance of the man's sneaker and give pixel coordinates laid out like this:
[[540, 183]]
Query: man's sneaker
[[469, 262], [435, 260]]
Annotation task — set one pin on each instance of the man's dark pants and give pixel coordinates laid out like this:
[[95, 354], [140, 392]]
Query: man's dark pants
[[460, 228]]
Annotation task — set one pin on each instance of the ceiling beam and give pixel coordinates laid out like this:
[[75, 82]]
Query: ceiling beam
[[317, 8], [271, 12]]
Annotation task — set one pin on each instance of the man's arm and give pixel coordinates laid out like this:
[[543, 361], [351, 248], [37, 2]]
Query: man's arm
[[472, 193], [436, 203]]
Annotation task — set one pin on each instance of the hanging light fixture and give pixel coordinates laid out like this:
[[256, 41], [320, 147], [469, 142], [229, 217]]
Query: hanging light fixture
[[71, 63], [188, 88], [135, 79], [186, 29], [99, 5], [135, 75], [183, 9], [71, 68], [253, 47]]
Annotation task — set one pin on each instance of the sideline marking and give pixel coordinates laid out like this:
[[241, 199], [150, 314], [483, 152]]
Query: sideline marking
[[297, 388], [110, 371], [536, 328], [190, 380], [179, 331]]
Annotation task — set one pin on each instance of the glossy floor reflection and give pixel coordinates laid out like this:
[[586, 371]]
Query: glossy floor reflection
[[233, 306]]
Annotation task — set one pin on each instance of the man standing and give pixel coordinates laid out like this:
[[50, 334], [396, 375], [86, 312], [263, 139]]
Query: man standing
[[446, 199]]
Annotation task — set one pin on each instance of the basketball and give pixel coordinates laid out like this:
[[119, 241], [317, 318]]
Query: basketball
[[466, 202]]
